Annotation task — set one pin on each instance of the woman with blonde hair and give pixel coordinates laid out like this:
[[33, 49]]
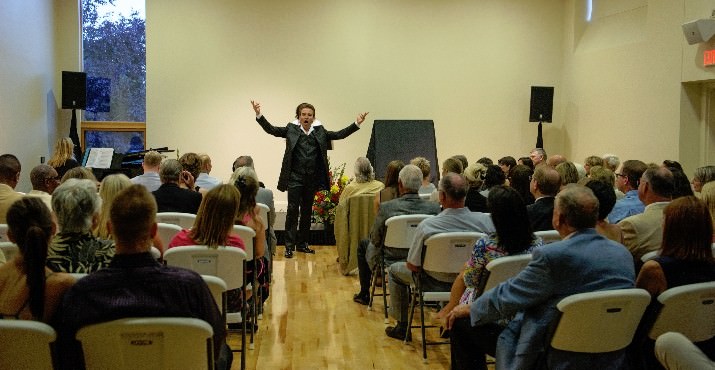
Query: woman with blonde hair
[[475, 201], [707, 195], [108, 189], [63, 158]]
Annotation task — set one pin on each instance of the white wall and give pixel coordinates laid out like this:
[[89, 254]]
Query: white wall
[[26, 81], [467, 65]]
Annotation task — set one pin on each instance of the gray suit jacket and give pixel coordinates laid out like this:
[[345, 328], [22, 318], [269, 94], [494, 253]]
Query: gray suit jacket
[[585, 262]]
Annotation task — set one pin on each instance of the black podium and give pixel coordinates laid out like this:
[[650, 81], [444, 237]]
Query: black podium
[[403, 140]]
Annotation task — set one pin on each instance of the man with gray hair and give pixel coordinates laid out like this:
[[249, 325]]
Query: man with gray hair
[[204, 180], [74, 249], [172, 198], [409, 203], [538, 155], [567, 267], [454, 217], [150, 178], [44, 179]]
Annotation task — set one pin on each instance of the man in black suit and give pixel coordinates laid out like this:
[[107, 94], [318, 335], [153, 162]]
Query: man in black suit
[[172, 198], [545, 183], [304, 169]]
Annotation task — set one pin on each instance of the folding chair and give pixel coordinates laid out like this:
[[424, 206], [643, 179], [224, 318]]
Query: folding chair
[[599, 322], [25, 344], [167, 232], [9, 249], [3, 233], [649, 256], [227, 263], [399, 234], [248, 236], [442, 253], [148, 343], [500, 270], [218, 290], [263, 212], [548, 236], [687, 309], [185, 220]]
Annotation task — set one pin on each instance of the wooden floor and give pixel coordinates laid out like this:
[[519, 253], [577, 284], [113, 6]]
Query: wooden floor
[[311, 322]]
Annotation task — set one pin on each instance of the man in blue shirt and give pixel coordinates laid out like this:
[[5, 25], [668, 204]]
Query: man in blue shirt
[[628, 175]]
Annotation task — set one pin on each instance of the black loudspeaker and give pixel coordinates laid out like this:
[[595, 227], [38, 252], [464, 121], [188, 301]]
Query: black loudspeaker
[[542, 103], [74, 90]]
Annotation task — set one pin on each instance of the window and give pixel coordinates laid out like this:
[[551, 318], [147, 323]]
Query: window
[[114, 55]]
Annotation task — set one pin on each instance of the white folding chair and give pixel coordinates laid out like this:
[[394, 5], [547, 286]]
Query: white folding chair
[[227, 263], [248, 236], [687, 309], [442, 253], [548, 236], [399, 234], [218, 290], [25, 344], [3, 233], [185, 220], [9, 249], [148, 343], [649, 255], [500, 270], [263, 212], [167, 232], [599, 322]]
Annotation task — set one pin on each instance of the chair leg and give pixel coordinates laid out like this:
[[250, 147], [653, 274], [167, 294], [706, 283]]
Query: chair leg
[[384, 292], [422, 326], [373, 283], [410, 313]]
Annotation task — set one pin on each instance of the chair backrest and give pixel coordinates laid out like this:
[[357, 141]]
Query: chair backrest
[[263, 212], [185, 220], [401, 230], [167, 232], [217, 287], [500, 270], [25, 344], [247, 235], [687, 309], [78, 275], [9, 249], [148, 343], [3, 233], [425, 196], [649, 255], [223, 262], [548, 236], [447, 252], [598, 322]]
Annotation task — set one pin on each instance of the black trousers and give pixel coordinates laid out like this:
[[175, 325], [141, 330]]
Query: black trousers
[[300, 202], [470, 343]]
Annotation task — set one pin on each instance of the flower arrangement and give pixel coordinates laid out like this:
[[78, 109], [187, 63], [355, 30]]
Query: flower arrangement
[[325, 201]]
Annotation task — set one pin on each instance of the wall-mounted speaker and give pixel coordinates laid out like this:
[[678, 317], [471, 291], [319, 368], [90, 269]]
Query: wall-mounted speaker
[[74, 90], [542, 103], [700, 30]]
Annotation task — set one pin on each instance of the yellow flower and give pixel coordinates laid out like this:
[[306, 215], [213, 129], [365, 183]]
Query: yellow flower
[[334, 189], [344, 180]]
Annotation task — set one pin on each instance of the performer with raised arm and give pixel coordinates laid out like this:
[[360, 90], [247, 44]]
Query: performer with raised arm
[[305, 167]]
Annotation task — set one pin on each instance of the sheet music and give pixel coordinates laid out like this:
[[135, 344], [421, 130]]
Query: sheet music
[[100, 158]]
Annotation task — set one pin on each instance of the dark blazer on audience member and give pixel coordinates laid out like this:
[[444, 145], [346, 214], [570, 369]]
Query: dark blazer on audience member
[[540, 213], [171, 198]]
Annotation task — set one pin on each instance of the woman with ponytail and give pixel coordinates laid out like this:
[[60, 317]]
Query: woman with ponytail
[[28, 289]]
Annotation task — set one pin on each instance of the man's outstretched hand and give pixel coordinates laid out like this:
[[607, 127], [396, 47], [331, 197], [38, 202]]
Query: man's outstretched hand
[[257, 107], [361, 118]]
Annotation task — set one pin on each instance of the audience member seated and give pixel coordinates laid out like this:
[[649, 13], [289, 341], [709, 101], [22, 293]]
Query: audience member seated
[[611, 161], [63, 158], [556, 160], [513, 236], [545, 183], [475, 201], [628, 176], [675, 352], [590, 162], [80, 173], [369, 251], [506, 164], [204, 180], [391, 190], [150, 165], [364, 182], [520, 180], [9, 177], [526, 161], [454, 217], [449, 165], [708, 196], [606, 199], [538, 156], [135, 285], [108, 190], [643, 233], [681, 184], [557, 271], [191, 163], [567, 171], [424, 166], [172, 198], [44, 181], [685, 258], [212, 228], [485, 161], [248, 215], [493, 176], [74, 249], [28, 289], [702, 176], [264, 196]]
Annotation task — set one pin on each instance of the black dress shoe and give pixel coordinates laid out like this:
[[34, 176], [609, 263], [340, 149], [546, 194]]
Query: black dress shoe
[[363, 300], [289, 253], [398, 332], [304, 248]]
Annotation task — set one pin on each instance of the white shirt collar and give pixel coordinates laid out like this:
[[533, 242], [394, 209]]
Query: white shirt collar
[[315, 123]]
